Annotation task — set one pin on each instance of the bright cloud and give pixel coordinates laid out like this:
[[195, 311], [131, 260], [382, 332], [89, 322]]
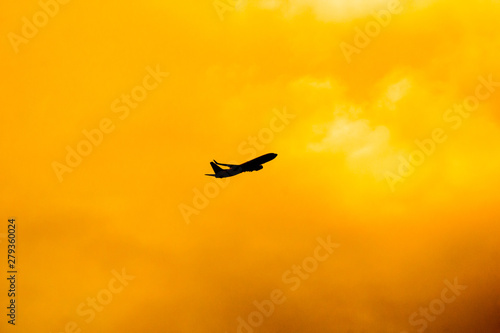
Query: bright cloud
[[366, 148], [337, 10]]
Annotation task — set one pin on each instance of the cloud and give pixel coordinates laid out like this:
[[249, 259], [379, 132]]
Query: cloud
[[398, 90], [335, 10], [366, 148]]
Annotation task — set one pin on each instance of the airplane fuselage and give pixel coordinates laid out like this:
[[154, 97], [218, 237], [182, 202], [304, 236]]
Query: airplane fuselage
[[252, 165]]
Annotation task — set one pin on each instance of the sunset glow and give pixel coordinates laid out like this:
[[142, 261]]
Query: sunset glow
[[379, 213]]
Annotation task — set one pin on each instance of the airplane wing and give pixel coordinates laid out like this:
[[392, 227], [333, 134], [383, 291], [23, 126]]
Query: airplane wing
[[228, 165], [256, 163]]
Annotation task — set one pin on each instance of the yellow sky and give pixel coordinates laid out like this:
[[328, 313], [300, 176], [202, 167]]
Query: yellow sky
[[384, 116]]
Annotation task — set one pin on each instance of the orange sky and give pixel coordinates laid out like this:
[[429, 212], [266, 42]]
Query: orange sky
[[384, 116]]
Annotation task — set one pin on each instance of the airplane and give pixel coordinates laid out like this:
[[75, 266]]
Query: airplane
[[234, 169]]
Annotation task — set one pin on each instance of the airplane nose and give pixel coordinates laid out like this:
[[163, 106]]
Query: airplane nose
[[271, 156]]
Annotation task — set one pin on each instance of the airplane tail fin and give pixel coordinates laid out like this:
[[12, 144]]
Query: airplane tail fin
[[216, 168]]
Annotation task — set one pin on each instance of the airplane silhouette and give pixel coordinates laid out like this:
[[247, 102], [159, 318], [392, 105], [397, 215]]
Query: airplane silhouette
[[252, 165]]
